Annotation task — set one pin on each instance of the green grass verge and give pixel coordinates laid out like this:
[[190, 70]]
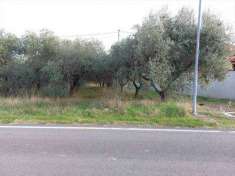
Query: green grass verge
[[72, 111], [98, 106]]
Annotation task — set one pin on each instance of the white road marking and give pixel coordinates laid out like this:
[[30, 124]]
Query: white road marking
[[116, 129]]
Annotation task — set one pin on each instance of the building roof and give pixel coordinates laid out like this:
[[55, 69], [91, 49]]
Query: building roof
[[232, 59]]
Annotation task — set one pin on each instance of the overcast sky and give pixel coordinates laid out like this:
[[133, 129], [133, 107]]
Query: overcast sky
[[69, 18]]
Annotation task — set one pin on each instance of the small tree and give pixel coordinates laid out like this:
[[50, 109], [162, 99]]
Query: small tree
[[126, 64], [39, 50]]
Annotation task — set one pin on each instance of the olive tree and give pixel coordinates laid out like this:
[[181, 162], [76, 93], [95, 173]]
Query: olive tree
[[167, 47], [126, 63], [16, 79], [10, 47], [39, 50]]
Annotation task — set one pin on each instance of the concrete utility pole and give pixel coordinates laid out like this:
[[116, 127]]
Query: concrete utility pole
[[195, 84], [118, 34]]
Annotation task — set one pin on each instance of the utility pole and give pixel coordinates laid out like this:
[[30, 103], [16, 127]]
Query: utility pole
[[195, 84], [118, 34]]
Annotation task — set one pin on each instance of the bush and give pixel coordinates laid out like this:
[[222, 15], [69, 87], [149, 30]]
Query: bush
[[55, 90], [53, 81], [171, 110], [16, 79]]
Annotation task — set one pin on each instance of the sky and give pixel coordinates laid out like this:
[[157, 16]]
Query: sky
[[98, 19]]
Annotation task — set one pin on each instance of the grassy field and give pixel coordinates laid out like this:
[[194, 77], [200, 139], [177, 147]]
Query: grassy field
[[92, 105]]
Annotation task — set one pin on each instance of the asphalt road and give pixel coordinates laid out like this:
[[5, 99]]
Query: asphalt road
[[100, 152]]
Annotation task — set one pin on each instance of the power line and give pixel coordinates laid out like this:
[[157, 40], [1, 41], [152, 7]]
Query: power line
[[118, 32], [89, 35], [128, 32]]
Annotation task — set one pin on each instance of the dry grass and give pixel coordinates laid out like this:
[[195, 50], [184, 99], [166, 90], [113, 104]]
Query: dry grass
[[102, 105]]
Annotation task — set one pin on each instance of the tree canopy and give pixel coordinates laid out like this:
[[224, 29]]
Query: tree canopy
[[159, 54], [165, 49]]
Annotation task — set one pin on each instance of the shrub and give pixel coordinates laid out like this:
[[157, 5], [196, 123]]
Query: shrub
[[16, 79], [55, 90], [171, 109], [53, 81]]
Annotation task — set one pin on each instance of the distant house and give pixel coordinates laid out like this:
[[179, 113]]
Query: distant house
[[220, 89], [232, 60]]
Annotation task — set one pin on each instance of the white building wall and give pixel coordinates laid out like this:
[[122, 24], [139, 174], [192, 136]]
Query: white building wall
[[224, 89]]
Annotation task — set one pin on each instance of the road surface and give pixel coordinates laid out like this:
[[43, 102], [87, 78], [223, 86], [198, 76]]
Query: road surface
[[115, 152]]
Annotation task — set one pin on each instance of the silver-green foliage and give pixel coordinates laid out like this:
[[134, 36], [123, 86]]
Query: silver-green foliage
[[165, 47]]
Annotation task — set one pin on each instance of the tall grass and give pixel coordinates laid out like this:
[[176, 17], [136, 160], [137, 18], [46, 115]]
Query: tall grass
[[97, 105]]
